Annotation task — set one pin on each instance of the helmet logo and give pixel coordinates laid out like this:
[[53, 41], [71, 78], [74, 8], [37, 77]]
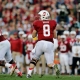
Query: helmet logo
[[44, 13]]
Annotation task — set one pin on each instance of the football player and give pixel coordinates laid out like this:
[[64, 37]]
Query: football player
[[64, 47], [29, 48], [5, 52], [45, 28]]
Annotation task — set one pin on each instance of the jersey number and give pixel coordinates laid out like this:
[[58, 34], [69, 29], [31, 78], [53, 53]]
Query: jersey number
[[46, 30], [63, 48]]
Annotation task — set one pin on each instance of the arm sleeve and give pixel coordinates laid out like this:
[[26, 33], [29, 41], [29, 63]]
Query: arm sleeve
[[34, 25]]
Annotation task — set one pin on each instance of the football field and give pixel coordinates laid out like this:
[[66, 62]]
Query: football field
[[37, 77]]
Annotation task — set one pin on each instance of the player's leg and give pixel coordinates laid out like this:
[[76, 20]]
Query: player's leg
[[50, 57], [3, 50], [37, 67], [36, 56], [62, 63], [13, 67], [48, 53], [4, 46], [8, 57], [70, 61], [35, 71], [66, 63], [43, 65], [27, 61]]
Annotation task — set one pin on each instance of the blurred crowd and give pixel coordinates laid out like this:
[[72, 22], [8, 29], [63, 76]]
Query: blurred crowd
[[16, 18]]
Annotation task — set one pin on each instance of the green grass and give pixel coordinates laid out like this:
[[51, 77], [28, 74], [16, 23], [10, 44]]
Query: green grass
[[37, 77]]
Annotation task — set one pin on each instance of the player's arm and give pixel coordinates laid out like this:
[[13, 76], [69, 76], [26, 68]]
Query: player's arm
[[34, 33], [55, 34]]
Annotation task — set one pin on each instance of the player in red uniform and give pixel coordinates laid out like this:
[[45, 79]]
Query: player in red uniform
[[64, 47], [29, 48], [5, 52], [45, 29]]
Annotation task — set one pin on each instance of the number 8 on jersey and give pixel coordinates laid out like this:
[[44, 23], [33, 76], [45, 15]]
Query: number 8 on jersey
[[46, 30]]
